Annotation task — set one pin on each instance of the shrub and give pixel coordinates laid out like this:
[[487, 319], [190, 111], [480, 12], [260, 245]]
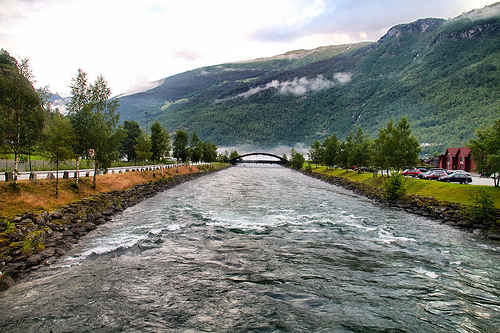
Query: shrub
[[394, 186], [14, 187], [483, 209]]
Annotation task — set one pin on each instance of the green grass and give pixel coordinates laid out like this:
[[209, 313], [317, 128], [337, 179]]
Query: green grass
[[463, 194]]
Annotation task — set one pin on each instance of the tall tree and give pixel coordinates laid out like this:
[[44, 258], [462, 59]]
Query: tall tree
[[297, 160], [342, 158], [106, 135], [195, 148], [160, 142], [360, 151], [80, 117], [20, 110], [485, 150], [209, 152], [180, 146], [406, 146], [330, 147], [233, 154], [59, 140], [382, 149], [133, 131], [315, 153], [143, 150]]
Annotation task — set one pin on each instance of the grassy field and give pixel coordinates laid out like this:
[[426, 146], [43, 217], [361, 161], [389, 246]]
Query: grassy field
[[463, 194], [38, 196]]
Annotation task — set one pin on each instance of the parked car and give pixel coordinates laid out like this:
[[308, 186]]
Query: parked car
[[411, 172], [453, 172], [423, 175], [457, 177], [435, 175]]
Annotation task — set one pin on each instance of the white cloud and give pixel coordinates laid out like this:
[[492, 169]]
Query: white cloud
[[130, 40], [342, 77], [300, 86]]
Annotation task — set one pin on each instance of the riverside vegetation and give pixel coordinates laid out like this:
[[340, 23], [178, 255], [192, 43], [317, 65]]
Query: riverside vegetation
[[472, 208]]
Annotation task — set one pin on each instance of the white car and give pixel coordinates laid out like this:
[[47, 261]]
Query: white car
[[453, 172]]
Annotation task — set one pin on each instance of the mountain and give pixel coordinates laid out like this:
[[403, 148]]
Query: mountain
[[444, 75]]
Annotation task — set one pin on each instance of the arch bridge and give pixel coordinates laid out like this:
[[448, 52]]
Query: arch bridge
[[239, 159]]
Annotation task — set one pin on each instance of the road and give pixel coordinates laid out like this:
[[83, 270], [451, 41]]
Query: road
[[90, 172]]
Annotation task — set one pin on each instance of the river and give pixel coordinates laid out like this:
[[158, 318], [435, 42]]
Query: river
[[263, 249]]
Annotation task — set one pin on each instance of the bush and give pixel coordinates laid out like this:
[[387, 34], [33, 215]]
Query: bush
[[297, 160], [483, 209], [394, 186]]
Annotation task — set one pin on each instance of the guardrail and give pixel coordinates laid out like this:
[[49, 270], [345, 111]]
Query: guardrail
[[89, 172]]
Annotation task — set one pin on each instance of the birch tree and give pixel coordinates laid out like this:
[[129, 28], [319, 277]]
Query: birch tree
[[20, 110], [80, 120]]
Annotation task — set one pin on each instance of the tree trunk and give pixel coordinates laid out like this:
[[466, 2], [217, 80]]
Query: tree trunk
[[77, 176], [16, 165], [94, 186], [57, 177]]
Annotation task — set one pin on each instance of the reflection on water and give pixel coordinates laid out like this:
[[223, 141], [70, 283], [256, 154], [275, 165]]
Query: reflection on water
[[263, 249]]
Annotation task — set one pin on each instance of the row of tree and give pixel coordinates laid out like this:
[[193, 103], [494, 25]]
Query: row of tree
[[394, 149], [89, 130]]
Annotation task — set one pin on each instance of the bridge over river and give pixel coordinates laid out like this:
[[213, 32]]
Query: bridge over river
[[276, 160]]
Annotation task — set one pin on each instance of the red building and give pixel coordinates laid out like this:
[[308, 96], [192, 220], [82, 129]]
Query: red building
[[457, 159]]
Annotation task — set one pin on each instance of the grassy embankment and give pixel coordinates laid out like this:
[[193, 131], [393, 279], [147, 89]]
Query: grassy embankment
[[463, 194], [38, 196]]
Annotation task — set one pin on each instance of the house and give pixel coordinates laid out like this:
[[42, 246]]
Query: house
[[457, 159]]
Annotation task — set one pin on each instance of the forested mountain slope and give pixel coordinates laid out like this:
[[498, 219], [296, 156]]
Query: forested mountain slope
[[444, 75]]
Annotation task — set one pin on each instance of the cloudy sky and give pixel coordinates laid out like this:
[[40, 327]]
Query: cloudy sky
[[134, 42]]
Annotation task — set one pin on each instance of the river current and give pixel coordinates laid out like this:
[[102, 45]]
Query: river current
[[263, 249]]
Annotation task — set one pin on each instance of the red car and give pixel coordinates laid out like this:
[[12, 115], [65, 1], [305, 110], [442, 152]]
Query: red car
[[435, 175], [411, 172]]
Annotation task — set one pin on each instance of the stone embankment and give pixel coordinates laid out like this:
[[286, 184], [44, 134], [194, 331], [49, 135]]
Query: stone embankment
[[446, 212], [32, 241]]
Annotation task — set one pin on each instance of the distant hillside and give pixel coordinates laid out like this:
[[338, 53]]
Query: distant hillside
[[443, 75]]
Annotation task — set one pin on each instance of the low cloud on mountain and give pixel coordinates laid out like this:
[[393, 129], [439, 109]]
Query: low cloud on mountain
[[300, 86]]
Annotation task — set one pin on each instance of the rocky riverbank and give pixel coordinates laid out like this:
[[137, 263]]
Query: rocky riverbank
[[451, 213], [31, 241]]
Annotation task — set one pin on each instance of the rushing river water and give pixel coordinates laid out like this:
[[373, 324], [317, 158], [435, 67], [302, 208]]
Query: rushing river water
[[263, 249]]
